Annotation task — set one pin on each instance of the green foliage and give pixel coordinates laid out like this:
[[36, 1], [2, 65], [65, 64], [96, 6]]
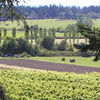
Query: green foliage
[[48, 43], [8, 9], [26, 27], [22, 46], [71, 48], [62, 46], [29, 85], [93, 34], [14, 32], [45, 32], [53, 30], [9, 46], [41, 32], [5, 32], [36, 29], [84, 19], [13, 46]]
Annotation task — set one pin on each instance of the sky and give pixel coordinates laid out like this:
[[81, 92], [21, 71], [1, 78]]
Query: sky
[[80, 3]]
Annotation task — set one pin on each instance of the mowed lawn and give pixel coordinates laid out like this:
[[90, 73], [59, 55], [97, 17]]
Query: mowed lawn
[[83, 61]]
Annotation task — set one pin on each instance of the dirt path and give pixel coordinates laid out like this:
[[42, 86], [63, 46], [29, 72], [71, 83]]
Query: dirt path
[[48, 66]]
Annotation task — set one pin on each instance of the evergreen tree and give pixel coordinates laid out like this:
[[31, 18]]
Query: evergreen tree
[[93, 34], [66, 34], [5, 33], [32, 36], [49, 31], [41, 33], [36, 29], [45, 32], [26, 27], [53, 30], [14, 32]]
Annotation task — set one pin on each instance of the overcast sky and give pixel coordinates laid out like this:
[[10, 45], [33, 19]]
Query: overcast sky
[[80, 3]]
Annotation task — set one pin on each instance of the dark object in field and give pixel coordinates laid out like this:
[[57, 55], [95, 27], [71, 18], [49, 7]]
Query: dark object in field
[[2, 94], [18, 56], [72, 60], [6, 55], [7, 24], [22, 29], [63, 59], [31, 27]]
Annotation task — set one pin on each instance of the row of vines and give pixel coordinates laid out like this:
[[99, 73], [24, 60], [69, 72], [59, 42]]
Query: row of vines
[[42, 85]]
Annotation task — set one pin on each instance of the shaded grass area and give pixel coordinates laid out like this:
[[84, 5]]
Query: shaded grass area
[[82, 61], [42, 85]]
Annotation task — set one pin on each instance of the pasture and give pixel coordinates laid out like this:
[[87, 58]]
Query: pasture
[[44, 23]]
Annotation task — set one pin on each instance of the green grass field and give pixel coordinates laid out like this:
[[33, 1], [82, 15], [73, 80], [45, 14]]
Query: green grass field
[[42, 85], [79, 60], [44, 23]]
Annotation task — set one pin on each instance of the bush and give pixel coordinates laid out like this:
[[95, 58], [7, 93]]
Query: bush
[[48, 43], [71, 48], [13, 46], [56, 46], [23, 45], [9, 46], [62, 46]]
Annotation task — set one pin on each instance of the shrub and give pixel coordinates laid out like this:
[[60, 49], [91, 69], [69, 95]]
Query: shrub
[[26, 54], [9, 46], [62, 46], [22, 45], [56, 46], [48, 43], [71, 48], [36, 50], [13, 46]]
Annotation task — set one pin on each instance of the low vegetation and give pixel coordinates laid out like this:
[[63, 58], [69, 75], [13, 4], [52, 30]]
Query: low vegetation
[[44, 85]]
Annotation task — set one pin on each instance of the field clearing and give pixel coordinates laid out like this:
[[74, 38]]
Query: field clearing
[[44, 23], [29, 85]]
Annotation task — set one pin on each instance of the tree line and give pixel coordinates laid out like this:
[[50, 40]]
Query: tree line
[[61, 12]]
